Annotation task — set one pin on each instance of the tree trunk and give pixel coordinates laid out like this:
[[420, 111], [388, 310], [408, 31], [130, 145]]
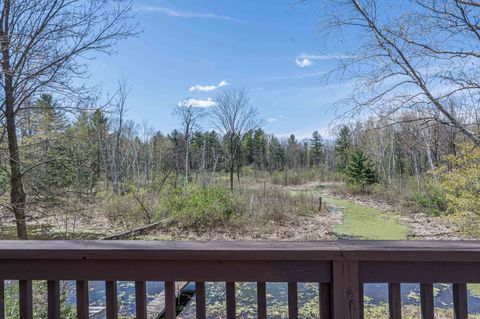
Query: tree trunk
[[187, 161], [17, 193], [231, 174]]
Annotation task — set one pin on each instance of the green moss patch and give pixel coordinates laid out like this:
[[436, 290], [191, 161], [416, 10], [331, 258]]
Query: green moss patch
[[362, 222]]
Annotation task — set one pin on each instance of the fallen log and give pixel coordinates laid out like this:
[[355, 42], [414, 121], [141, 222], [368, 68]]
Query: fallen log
[[135, 231]]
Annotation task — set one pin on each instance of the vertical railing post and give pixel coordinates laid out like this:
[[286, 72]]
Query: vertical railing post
[[26, 301], [53, 293], [427, 301], [201, 309], [325, 291], [141, 299], [460, 301], [2, 299], [82, 300], [346, 290], [111, 299]]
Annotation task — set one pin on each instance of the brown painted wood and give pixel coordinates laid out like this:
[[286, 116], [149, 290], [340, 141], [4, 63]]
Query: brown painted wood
[[325, 300], [461, 251], [201, 309], [111, 299], [261, 300], [2, 299], [346, 263], [82, 299], [53, 296], [156, 306], [141, 299], [362, 300], [170, 300], [131, 269], [231, 300], [426, 272], [426, 301], [292, 300], [394, 301], [26, 301], [460, 304], [346, 290]]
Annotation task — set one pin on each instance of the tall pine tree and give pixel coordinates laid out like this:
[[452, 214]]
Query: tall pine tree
[[316, 149], [343, 145]]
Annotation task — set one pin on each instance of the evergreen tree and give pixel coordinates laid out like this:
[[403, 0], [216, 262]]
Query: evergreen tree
[[316, 146], [276, 154], [361, 170], [343, 145], [260, 148], [46, 158], [51, 118], [248, 147], [100, 131]]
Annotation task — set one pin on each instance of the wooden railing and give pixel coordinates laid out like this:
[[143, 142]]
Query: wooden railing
[[339, 267]]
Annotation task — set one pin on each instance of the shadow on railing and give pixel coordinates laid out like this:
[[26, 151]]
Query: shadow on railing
[[339, 267]]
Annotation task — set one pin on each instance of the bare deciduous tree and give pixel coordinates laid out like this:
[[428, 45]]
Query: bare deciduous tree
[[41, 44], [121, 108], [189, 115], [420, 55], [233, 116]]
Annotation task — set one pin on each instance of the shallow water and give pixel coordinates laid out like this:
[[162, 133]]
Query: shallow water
[[375, 294]]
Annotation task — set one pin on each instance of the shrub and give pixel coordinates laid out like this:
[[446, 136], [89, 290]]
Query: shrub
[[200, 207], [460, 180], [431, 197], [135, 208]]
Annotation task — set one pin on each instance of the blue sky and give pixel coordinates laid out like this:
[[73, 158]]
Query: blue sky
[[187, 48]]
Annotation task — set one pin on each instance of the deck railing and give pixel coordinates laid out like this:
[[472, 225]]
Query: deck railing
[[339, 267]]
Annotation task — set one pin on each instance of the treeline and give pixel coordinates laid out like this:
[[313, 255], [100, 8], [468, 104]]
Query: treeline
[[92, 153], [101, 151], [98, 150], [402, 147]]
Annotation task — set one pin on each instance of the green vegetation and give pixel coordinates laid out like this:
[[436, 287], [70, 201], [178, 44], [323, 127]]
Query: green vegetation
[[360, 171], [362, 222], [39, 288], [460, 182], [343, 145], [431, 197], [201, 207]]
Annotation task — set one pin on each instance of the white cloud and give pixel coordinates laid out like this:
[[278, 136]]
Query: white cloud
[[321, 57], [184, 14], [303, 62], [208, 88], [209, 102], [271, 120]]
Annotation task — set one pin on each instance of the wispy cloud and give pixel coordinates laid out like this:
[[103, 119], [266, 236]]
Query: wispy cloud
[[303, 62], [271, 120], [184, 14], [321, 57], [209, 102], [208, 88]]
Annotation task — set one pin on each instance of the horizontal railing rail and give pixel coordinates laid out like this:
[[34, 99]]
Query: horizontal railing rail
[[341, 268]]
